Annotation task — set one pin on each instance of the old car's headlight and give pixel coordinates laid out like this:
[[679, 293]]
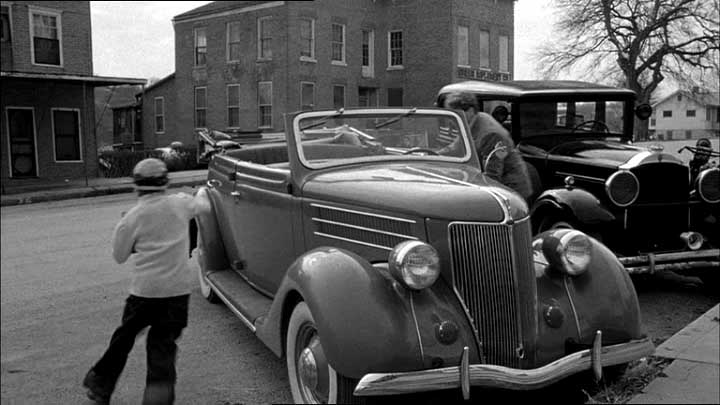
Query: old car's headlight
[[623, 188], [415, 264], [569, 251], [708, 185]]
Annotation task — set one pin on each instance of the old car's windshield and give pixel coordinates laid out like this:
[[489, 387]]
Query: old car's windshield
[[557, 117], [379, 135]]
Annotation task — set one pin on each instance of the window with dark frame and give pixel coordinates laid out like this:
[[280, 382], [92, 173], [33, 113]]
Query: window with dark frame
[[688, 134], [463, 46], [233, 105], [5, 24], [367, 50], [395, 44], [264, 38], [690, 113], [667, 113], [200, 107], [233, 41], [46, 38], [307, 38], [338, 43], [307, 96], [200, 47], [395, 97], [338, 96], [159, 114], [66, 128], [265, 104], [484, 49]]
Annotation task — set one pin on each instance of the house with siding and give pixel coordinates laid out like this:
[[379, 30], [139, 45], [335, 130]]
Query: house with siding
[[47, 100], [686, 115]]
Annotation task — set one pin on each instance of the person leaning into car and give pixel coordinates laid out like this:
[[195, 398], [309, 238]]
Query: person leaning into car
[[500, 159], [155, 233]]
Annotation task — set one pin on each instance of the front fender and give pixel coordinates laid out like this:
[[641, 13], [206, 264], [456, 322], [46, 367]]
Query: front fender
[[576, 202]]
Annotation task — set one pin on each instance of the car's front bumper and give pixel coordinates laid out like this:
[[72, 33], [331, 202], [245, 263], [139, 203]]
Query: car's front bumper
[[466, 375], [677, 261]]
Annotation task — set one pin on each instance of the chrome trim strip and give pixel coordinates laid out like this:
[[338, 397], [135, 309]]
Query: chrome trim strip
[[572, 306], [272, 182], [362, 228], [515, 269], [469, 318], [608, 186], [417, 327], [410, 221], [672, 267], [231, 306], [352, 241], [580, 176], [662, 257]]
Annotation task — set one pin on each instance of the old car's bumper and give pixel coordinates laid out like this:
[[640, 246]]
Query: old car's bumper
[[651, 263], [466, 375]]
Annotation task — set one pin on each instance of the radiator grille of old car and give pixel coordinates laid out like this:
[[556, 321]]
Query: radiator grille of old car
[[361, 227], [492, 271], [662, 182]]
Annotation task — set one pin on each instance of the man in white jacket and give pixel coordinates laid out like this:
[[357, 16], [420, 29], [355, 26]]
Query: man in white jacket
[[155, 232]]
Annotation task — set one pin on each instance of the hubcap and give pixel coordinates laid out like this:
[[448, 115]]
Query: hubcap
[[307, 368], [312, 367]]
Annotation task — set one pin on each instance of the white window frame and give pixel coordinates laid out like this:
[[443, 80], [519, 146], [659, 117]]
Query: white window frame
[[310, 58], [227, 41], [196, 108], [344, 101], [343, 43], [260, 23], [302, 102], [389, 50], [228, 105], [7, 131], [156, 115], [484, 52], [463, 51], [506, 50], [260, 105], [80, 139], [52, 13], [369, 69], [195, 46]]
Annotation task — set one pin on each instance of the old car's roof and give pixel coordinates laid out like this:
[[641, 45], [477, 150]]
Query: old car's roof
[[519, 88]]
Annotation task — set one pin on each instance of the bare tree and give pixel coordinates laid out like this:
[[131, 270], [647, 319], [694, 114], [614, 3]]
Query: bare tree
[[636, 42]]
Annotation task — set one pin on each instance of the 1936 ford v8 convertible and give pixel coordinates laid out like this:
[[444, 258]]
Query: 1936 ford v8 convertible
[[377, 266]]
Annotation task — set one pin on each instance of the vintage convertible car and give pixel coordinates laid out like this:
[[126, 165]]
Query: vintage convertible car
[[378, 267], [576, 139]]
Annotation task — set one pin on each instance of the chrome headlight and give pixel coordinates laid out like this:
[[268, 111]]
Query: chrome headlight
[[414, 264], [570, 251], [708, 185], [622, 188]]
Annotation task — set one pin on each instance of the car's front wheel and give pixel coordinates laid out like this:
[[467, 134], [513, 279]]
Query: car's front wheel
[[205, 288], [312, 378]]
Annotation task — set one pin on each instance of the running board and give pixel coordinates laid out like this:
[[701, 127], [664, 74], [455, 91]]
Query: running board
[[243, 300]]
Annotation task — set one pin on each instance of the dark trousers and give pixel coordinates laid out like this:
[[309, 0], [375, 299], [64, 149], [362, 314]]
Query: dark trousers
[[166, 317]]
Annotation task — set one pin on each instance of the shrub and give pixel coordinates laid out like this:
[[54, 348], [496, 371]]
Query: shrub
[[120, 163]]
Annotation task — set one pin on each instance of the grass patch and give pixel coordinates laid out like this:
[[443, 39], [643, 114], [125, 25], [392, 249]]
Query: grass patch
[[622, 388]]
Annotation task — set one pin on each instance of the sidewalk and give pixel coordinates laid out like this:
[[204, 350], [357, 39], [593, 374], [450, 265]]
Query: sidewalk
[[80, 188], [694, 375]]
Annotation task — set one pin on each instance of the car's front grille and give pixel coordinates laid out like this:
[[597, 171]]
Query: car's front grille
[[492, 271], [662, 183]]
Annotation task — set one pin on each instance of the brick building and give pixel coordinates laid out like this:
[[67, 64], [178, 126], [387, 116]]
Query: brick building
[[47, 101], [240, 65]]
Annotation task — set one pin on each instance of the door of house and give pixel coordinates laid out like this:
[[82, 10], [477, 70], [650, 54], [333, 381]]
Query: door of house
[[21, 128]]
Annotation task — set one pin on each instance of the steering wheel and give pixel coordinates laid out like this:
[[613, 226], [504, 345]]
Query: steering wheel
[[426, 150], [594, 123]]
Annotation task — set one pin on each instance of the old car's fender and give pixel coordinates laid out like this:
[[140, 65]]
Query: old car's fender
[[570, 204], [367, 322], [571, 309], [206, 226]]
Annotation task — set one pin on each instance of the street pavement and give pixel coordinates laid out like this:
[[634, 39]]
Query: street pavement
[[692, 377]]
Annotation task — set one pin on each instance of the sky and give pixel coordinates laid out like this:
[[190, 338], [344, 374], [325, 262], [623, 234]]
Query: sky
[[136, 39]]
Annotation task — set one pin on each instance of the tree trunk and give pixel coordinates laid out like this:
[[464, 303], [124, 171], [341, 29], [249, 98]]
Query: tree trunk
[[641, 130]]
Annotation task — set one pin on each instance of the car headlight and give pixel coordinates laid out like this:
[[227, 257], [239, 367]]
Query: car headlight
[[622, 188], [414, 264], [570, 251], [708, 185]]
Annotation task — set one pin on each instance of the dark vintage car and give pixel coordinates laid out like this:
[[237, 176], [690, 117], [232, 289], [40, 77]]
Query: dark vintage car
[[377, 267], [577, 140]]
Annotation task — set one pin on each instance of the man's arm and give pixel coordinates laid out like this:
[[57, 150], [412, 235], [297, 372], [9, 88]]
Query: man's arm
[[123, 242], [495, 166]]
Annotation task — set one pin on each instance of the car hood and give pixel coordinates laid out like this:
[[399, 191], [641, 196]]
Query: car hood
[[607, 153], [427, 190]]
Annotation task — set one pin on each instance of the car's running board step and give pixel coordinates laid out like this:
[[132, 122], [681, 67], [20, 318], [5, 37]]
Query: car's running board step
[[246, 302]]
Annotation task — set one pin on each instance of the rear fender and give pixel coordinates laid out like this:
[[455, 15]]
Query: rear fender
[[574, 203], [206, 225]]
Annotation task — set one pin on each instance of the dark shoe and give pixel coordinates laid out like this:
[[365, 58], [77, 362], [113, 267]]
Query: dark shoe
[[98, 391]]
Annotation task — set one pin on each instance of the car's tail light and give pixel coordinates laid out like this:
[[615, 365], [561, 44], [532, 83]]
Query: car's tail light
[[708, 185], [622, 188]]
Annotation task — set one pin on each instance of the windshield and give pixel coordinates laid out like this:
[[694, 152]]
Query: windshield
[[603, 117], [326, 138]]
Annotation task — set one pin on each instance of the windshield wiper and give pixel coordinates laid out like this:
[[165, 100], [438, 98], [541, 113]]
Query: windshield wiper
[[324, 119], [395, 119]]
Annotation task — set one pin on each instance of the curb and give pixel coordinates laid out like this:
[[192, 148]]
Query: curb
[[8, 201]]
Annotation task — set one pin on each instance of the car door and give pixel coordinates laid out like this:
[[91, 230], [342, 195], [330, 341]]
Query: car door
[[263, 207], [221, 182]]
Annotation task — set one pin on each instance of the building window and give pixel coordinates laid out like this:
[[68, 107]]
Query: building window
[[667, 113], [200, 107], [307, 39], [265, 104], [338, 43], [159, 115], [46, 33], [339, 97], [484, 49], [307, 96], [688, 134], [690, 113], [233, 41], [368, 53], [463, 46], [233, 105], [4, 24], [200, 47], [264, 38], [367, 97], [504, 54], [66, 134], [679, 97], [395, 97], [668, 135], [395, 44], [652, 122]]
